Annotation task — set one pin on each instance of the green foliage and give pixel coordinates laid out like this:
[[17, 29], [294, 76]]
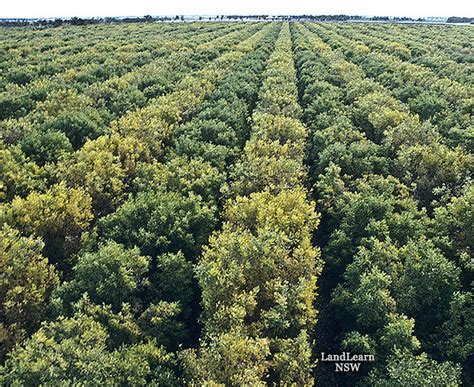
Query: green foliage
[[229, 358], [46, 147], [376, 112], [105, 168], [74, 350], [117, 95], [18, 175], [273, 157], [453, 229], [293, 363], [269, 262], [109, 276], [180, 177], [395, 272], [458, 329], [160, 221], [161, 322], [350, 149], [428, 104], [171, 280], [427, 284], [258, 274], [432, 168], [58, 216], [14, 105], [377, 207], [78, 126], [26, 282], [406, 369]]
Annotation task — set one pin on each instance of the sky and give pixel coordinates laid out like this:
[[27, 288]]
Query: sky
[[89, 8]]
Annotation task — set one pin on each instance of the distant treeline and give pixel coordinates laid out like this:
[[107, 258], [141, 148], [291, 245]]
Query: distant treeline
[[456, 19], [151, 19], [76, 21]]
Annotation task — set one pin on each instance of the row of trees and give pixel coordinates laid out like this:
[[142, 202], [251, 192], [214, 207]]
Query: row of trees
[[67, 119], [116, 290], [183, 193], [446, 51], [258, 273], [396, 289], [28, 55], [447, 103], [97, 98], [52, 114]]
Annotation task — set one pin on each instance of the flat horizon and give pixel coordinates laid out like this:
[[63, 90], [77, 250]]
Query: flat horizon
[[48, 9], [226, 15]]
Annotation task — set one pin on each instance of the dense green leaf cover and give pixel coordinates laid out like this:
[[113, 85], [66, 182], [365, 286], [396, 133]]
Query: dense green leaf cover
[[219, 203]]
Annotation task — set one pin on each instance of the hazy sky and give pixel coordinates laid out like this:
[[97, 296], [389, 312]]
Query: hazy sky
[[83, 8]]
